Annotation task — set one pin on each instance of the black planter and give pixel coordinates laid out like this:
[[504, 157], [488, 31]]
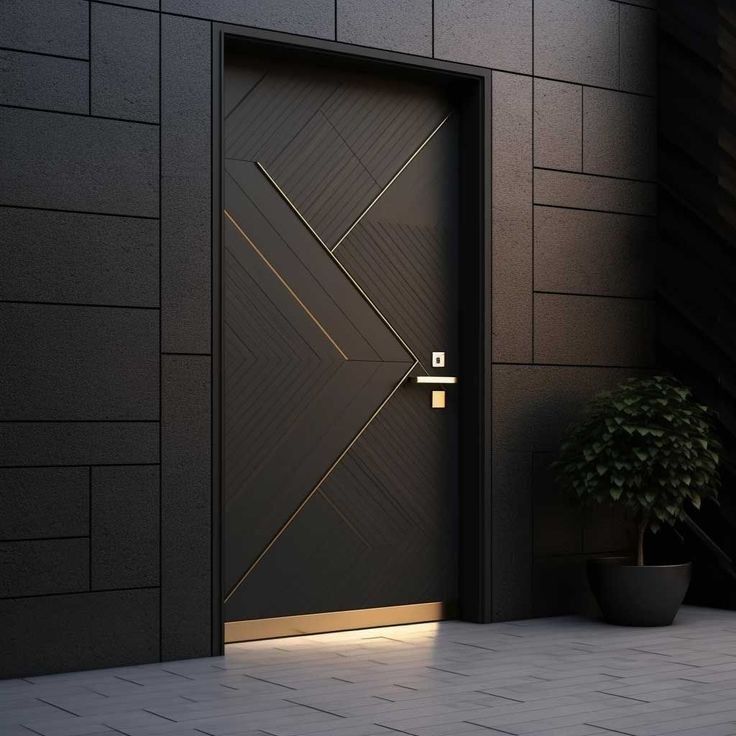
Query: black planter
[[629, 595]]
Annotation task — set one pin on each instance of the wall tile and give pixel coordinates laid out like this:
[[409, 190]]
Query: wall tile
[[512, 535], [492, 33], [397, 25], [72, 162], [561, 587], [306, 17], [76, 258], [558, 518], [619, 131], [44, 566], [638, 49], [186, 507], [594, 252], [83, 363], [577, 41], [532, 405], [586, 330], [186, 220], [558, 125], [144, 4], [92, 627], [47, 82], [560, 189], [125, 72], [512, 218], [78, 443], [44, 502], [125, 527], [46, 26]]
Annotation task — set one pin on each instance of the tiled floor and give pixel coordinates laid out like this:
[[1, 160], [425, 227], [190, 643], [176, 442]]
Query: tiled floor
[[557, 677]]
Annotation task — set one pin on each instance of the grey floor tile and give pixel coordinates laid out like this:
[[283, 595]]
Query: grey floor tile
[[546, 677]]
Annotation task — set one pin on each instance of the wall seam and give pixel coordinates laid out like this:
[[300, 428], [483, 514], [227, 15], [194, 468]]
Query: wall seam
[[598, 176], [433, 29], [160, 348], [89, 526], [582, 130], [89, 54], [89, 115], [534, 257], [619, 46], [534, 135], [45, 53]]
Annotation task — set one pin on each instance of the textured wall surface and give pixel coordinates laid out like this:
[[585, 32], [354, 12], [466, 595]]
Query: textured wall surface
[[105, 293]]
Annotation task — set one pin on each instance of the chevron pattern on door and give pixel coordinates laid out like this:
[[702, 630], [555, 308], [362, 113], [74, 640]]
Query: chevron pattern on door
[[339, 279]]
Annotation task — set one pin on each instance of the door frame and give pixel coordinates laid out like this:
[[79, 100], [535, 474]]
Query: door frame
[[474, 425]]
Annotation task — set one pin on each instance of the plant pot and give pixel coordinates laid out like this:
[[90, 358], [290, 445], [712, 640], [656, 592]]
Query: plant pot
[[630, 595]]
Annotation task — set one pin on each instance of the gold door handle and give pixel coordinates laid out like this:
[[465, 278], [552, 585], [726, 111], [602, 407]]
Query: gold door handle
[[438, 394], [435, 379]]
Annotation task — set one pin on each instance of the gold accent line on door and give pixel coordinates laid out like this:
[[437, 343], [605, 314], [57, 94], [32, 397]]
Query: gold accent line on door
[[317, 487], [288, 288], [393, 179], [340, 266]]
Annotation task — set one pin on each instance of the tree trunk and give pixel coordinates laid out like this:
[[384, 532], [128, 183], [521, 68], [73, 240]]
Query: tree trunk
[[640, 542]]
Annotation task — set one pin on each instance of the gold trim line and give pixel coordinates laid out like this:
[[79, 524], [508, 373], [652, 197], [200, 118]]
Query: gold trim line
[[318, 486], [281, 279], [393, 179], [320, 623], [337, 261]]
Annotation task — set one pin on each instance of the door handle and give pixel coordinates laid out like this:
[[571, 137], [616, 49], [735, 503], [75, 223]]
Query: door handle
[[438, 394], [435, 379]]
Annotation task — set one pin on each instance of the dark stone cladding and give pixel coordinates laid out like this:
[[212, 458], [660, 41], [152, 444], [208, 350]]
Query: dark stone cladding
[[73, 258], [46, 27], [106, 294], [80, 631], [124, 517], [44, 502], [46, 82], [124, 76]]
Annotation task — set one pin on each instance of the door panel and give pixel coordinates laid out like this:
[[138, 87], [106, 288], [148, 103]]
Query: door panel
[[339, 281]]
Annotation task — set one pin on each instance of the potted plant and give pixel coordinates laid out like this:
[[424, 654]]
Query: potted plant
[[649, 446]]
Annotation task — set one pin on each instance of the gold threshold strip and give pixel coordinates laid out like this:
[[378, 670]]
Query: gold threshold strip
[[320, 623]]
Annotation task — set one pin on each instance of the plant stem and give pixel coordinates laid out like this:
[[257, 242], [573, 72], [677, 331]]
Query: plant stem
[[640, 542]]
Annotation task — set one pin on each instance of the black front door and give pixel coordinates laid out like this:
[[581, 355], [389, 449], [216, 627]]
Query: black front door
[[339, 272]]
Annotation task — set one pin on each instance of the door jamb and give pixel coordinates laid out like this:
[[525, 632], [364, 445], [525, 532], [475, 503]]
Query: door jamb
[[475, 543]]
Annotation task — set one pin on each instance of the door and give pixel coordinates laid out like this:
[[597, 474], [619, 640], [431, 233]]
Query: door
[[339, 283]]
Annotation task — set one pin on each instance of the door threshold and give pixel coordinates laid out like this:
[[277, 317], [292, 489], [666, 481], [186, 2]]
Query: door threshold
[[321, 623]]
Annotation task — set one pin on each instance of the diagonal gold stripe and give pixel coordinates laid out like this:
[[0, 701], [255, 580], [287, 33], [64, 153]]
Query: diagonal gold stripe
[[340, 266], [393, 179], [288, 288], [317, 487]]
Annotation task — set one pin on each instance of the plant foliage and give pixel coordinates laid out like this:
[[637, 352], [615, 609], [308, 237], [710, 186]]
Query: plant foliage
[[647, 445]]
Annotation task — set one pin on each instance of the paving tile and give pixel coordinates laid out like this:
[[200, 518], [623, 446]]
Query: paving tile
[[564, 676]]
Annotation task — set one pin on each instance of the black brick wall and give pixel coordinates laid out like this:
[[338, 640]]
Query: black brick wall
[[105, 293]]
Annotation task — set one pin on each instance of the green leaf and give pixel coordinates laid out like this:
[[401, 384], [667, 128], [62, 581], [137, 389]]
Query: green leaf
[[646, 445]]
